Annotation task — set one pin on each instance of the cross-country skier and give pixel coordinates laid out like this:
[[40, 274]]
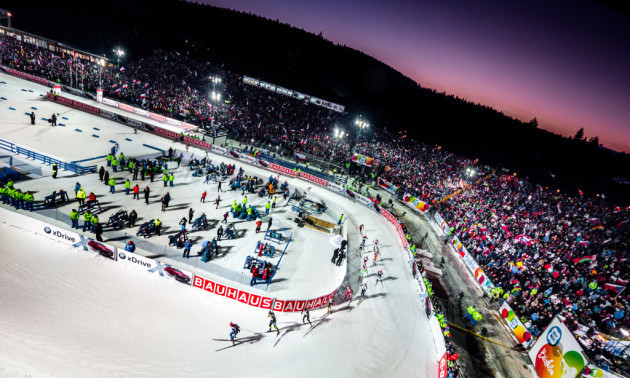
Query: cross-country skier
[[361, 227], [361, 274], [307, 316], [363, 290], [330, 302], [235, 330], [272, 322], [379, 277], [376, 245], [348, 292], [365, 260], [376, 255]]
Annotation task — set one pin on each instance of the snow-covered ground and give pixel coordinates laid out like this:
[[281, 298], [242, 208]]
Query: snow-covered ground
[[70, 310]]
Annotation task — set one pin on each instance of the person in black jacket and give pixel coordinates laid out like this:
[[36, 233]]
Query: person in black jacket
[[106, 178], [335, 255], [147, 191], [101, 172], [55, 169], [98, 230], [133, 216]]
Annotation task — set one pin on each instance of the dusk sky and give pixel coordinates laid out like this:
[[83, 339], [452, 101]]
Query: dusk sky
[[565, 62]]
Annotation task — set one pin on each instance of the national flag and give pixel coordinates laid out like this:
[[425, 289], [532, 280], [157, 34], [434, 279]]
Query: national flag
[[118, 90], [524, 239], [582, 259], [143, 95], [125, 86], [581, 193], [540, 188], [122, 69], [616, 288]]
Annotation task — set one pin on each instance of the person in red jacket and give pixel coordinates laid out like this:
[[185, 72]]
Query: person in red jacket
[[258, 224], [265, 273], [136, 192], [203, 197], [254, 275], [91, 197]]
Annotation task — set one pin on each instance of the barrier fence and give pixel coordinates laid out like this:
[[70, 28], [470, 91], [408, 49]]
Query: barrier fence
[[75, 168]]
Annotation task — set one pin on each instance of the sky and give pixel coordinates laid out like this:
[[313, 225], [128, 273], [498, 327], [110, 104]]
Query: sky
[[567, 63]]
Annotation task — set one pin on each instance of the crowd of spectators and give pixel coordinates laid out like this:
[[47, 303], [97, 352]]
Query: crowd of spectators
[[550, 252]]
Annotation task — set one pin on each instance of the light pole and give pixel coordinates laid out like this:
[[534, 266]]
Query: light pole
[[119, 54], [101, 63], [214, 96]]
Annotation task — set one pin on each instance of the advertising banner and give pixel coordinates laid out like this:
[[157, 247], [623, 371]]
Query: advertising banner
[[597, 372], [336, 187], [167, 133], [401, 234], [125, 107], [99, 95], [157, 117], [154, 266], [28, 76], [557, 353], [218, 149], [73, 103], [141, 112], [133, 122], [363, 160], [197, 142], [247, 158], [172, 122], [281, 169], [387, 186], [515, 324], [188, 126], [314, 179], [298, 305], [109, 102], [442, 366], [107, 114], [415, 203], [238, 295], [442, 224], [472, 265]]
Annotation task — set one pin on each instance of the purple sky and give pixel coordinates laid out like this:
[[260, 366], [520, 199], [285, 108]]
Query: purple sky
[[566, 63]]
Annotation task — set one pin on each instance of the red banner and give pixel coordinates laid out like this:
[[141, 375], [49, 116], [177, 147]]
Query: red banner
[[157, 117], [167, 133], [391, 219], [73, 103], [314, 179], [232, 293], [282, 169], [188, 126], [28, 76], [125, 107], [197, 142], [442, 367]]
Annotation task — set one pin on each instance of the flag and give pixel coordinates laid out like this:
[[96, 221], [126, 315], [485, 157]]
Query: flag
[[616, 288], [524, 239], [582, 259], [585, 243], [122, 69], [597, 227], [143, 95], [540, 189], [125, 86]]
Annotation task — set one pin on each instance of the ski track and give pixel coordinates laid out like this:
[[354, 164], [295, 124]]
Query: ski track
[[66, 312]]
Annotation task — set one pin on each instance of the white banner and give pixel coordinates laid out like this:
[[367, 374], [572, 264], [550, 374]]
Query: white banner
[[219, 149], [109, 102], [334, 186], [557, 353], [514, 323], [154, 266]]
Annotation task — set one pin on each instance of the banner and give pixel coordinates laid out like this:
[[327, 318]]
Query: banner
[[73, 103], [218, 149], [442, 224], [336, 187], [250, 299], [188, 126], [597, 372], [125, 107], [172, 122], [157, 117], [107, 114], [141, 112], [557, 353], [515, 324], [401, 234], [472, 265], [154, 266], [28, 76], [167, 133], [415, 203], [362, 159], [387, 186], [298, 306], [281, 169], [197, 142], [109, 102], [314, 179]]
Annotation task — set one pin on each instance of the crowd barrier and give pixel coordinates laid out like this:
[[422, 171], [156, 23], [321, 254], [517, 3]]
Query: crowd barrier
[[144, 113], [75, 168]]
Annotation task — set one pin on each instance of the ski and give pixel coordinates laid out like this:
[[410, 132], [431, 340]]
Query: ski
[[359, 302], [233, 345], [221, 339]]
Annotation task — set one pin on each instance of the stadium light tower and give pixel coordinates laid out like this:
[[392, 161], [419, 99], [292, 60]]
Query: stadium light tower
[[214, 96], [101, 63], [6, 14], [119, 54]]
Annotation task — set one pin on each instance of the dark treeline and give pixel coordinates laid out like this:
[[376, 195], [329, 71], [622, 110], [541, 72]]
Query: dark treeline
[[295, 59]]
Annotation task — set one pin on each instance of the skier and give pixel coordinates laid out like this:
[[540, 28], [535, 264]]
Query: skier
[[32, 115], [272, 322], [235, 330], [376, 255], [190, 215], [307, 316], [219, 233], [361, 229], [348, 292], [376, 245], [217, 201], [330, 303], [361, 275], [269, 223], [379, 277], [225, 217], [363, 290], [219, 187]]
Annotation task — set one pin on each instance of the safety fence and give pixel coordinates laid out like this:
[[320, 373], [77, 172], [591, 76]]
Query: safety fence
[[75, 168]]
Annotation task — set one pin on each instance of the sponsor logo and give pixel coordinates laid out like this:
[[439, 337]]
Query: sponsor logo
[[63, 236], [47, 230], [122, 256], [136, 260], [125, 107], [554, 336]]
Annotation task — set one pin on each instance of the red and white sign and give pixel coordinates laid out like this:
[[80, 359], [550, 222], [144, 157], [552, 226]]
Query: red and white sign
[[73, 103], [337, 187], [28, 77], [157, 117], [172, 122], [314, 179], [233, 293], [188, 126], [197, 142], [391, 219], [168, 133], [442, 367], [219, 149], [282, 169], [99, 95], [125, 107]]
